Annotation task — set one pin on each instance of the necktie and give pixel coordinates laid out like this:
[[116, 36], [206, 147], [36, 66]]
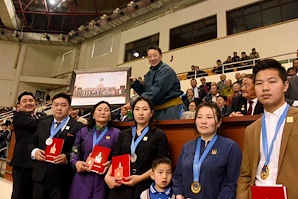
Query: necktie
[[249, 111], [57, 124]]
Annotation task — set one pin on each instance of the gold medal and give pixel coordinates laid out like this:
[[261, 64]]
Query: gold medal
[[264, 172], [195, 187], [243, 108]]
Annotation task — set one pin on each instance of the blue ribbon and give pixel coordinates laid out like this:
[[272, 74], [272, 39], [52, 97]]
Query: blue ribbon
[[134, 143], [199, 160], [267, 153], [97, 140], [54, 131]]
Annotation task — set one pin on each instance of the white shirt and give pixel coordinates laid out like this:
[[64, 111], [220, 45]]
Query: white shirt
[[253, 105], [271, 123], [55, 126], [196, 92]]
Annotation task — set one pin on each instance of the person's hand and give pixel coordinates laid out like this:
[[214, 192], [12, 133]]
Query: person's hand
[[127, 106], [236, 114], [40, 155], [106, 165], [113, 182], [132, 79], [131, 180], [179, 197], [81, 166], [60, 159]]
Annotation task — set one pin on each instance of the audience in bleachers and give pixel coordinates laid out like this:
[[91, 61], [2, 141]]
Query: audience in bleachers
[[228, 89], [254, 54], [221, 102], [238, 78], [212, 95], [246, 103], [205, 85], [190, 114], [199, 93], [291, 71], [222, 83]]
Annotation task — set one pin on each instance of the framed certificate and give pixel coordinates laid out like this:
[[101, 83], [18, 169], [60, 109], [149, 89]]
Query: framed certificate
[[91, 86]]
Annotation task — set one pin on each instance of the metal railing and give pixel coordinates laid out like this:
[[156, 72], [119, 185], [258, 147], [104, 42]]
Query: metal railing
[[283, 58]]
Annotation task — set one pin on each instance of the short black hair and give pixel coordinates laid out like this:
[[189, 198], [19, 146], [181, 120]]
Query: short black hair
[[63, 95], [223, 97], [160, 160], [155, 48], [270, 64], [25, 93]]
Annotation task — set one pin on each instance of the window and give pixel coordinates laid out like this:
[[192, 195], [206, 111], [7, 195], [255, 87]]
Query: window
[[138, 49], [261, 14], [195, 32]]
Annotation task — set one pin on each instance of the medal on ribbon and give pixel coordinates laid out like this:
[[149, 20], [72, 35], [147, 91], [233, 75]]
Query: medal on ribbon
[[196, 187], [264, 172], [54, 131], [267, 153], [134, 144]]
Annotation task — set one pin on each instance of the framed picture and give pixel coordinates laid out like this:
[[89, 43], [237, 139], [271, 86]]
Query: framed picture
[[91, 86]]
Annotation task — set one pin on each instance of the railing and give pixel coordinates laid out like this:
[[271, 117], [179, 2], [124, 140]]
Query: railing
[[283, 58], [3, 163]]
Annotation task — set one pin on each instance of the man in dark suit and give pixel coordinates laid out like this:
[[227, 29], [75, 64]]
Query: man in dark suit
[[205, 86], [123, 117], [24, 124], [292, 94], [199, 93], [246, 103], [190, 98], [52, 180]]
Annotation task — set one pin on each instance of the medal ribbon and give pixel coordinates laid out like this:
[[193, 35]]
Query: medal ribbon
[[199, 160], [97, 140], [267, 153], [134, 144], [54, 131]]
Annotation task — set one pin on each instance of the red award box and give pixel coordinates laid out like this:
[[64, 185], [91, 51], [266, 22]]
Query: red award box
[[121, 166], [269, 192], [54, 149], [98, 156]]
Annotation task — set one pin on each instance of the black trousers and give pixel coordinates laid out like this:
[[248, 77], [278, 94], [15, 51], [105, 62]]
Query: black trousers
[[22, 183], [43, 190]]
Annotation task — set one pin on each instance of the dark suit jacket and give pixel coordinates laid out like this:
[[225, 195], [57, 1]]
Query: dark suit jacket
[[292, 94], [208, 84], [24, 127], [226, 111], [201, 93], [126, 119], [239, 104], [55, 174]]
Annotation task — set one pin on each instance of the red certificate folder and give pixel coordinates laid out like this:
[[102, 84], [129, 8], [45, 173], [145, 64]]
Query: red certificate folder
[[98, 156], [121, 166], [269, 192], [54, 149]]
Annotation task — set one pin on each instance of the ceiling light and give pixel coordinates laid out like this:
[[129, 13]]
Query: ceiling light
[[136, 54], [71, 33], [46, 36], [61, 37], [117, 12], [103, 17], [52, 2], [15, 34], [132, 5]]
